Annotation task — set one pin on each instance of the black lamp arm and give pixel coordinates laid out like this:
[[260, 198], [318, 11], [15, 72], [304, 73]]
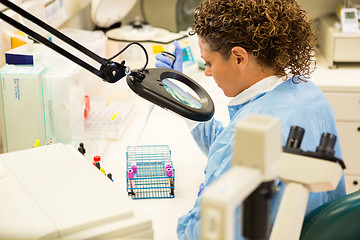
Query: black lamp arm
[[109, 71]]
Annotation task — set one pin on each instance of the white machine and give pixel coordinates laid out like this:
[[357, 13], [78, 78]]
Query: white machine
[[336, 46], [54, 192], [43, 102], [349, 20], [258, 158], [105, 13]]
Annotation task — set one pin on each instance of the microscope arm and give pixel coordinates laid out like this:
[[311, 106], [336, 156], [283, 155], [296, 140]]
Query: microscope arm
[[301, 179]]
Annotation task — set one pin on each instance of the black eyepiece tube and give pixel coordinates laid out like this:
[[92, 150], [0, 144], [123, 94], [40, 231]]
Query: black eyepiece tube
[[327, 144], [295, 137]]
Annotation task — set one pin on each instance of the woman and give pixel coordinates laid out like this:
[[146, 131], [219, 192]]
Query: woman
[[260, 53]]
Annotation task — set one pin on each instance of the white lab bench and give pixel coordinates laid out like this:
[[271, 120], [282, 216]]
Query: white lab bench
[[163, 128]]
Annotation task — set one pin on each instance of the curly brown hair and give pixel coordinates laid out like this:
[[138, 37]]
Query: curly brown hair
[[277, 33]]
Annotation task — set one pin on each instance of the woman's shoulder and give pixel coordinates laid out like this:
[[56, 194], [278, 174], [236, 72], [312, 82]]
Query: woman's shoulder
[[295, 90]]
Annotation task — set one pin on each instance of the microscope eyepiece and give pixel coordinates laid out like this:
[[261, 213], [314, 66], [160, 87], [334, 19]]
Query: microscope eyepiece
[[327, 144], [295, 137]]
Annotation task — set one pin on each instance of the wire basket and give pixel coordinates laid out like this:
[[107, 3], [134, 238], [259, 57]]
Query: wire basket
[[150, 172]]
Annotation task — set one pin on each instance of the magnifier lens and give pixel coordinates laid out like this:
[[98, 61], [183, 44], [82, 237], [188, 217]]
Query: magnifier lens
[[182, 93]]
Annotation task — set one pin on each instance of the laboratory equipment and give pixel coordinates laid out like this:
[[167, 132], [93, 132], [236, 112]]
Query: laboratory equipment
[[26, 107], [181, 95], [338, 47], [188, 58], [170, 55], [103, 14], [253, 166], [150, 172], [27, 54], [49, 105], [109, 118], [96, 42], [145, 82], [173, 58], [67, 106], [185, 13], [349, 20], [65, 198]]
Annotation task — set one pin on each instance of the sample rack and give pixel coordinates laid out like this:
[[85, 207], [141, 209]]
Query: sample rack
[[150, 172]]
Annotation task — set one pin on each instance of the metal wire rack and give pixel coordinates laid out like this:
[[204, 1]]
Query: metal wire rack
[[150, 172]]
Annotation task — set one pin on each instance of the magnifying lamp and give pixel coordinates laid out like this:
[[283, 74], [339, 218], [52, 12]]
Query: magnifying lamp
[[164, 87]]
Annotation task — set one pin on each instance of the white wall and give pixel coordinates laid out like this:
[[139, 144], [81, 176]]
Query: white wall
[[320, 8]]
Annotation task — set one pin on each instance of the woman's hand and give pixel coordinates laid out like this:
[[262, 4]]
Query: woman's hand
[[164, 62]]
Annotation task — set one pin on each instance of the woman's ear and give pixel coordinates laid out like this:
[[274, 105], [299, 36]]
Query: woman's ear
[[240, 55]]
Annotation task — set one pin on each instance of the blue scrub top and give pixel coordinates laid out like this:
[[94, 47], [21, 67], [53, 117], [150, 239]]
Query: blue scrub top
[[294, 102]]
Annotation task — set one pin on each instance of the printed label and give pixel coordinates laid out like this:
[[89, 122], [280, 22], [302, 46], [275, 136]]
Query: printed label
[[17, 88]]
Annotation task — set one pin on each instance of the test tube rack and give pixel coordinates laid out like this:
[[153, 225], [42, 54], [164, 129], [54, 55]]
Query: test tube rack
[[107, 119], [150, 172]]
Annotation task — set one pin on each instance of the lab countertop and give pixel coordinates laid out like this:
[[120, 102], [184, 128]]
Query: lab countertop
[[162, 128], [344, 78]]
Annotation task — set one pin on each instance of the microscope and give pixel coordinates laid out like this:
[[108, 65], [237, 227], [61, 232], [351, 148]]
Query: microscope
[[258, 161]]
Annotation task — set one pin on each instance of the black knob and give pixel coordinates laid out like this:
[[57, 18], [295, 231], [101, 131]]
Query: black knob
[[81, 149], [97, 164], [109, 175], [112, 72]]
